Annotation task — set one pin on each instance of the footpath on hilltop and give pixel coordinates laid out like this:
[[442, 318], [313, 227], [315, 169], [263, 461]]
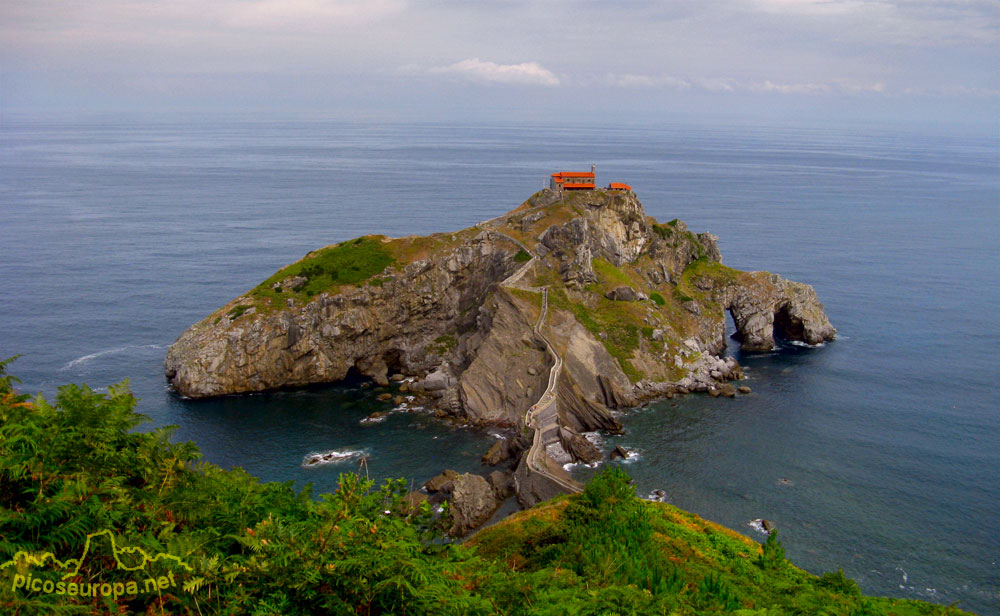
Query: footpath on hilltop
[[542, 320]]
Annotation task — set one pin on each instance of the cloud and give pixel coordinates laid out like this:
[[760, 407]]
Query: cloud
[[525, 73], [630, 80], [791, 88], [716, 84]]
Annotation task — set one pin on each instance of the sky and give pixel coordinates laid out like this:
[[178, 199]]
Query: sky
[[507, 60]]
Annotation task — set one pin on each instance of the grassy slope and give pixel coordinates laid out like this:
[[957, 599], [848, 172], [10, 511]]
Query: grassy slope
[[367, 260], [626, 328], [685, 564]]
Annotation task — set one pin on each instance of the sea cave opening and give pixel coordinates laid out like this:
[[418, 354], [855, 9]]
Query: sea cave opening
[[786, 326]]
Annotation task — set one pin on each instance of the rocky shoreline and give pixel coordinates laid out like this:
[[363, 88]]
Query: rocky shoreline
[[468, 323]]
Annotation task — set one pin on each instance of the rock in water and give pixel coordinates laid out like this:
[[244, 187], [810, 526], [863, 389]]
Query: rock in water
[[578, 447], [502, 484], [618, 452], [500, 451], [440, 482], [472, 503]]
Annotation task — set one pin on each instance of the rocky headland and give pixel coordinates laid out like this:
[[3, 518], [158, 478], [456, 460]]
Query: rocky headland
[[543, 320]]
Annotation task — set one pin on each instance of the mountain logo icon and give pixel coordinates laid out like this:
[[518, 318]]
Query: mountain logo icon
[[43, 572]]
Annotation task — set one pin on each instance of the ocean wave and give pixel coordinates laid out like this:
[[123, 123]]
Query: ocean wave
[[758, 525], [658, 496], [569, 466], [122, 349], [334, 456], [595, 438], [806, 345], [632, 456]]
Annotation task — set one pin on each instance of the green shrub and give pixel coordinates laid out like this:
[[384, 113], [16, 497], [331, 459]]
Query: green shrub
[[237, 312], [522, 256], [657, 298], [351, 262]]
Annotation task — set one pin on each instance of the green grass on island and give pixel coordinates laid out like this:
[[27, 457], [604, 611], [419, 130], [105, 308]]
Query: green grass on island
[[347, 263], [75, 474]]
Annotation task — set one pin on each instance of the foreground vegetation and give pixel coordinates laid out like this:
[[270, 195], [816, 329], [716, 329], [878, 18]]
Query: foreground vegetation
[[221, 542]]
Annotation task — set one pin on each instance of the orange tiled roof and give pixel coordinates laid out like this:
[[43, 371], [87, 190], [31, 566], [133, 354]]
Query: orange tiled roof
[[573, 174], [619, 186], [577, 185]]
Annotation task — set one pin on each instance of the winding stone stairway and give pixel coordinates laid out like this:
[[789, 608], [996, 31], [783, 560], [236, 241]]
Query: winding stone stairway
[[539, 477]]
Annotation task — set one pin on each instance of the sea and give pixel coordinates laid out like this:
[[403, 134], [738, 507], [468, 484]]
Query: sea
[[878, 452]]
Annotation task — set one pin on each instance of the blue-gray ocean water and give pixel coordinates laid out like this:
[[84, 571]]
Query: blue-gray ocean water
[[879, 452]]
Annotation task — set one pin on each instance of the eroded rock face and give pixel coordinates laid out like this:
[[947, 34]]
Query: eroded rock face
[[766, 304], [497, 385], [373, 329], [473, 501]]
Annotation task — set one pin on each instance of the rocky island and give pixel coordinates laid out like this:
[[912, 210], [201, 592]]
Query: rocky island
[[542, 320]]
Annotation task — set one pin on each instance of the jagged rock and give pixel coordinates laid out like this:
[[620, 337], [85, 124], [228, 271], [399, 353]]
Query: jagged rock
[[291, 283], [472, 503], [622, 294], [384, 397], [767, 525], [743, 389], [440, 482], [578, 447], [398, 377], [435, 381], [502, 483], [618, 452], [764, 305], [500, 451]]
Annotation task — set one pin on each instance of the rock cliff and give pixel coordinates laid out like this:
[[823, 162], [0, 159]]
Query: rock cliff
[[634, 308]]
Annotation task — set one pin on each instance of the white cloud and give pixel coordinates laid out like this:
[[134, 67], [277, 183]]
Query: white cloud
[[526, 73], [791, 88], [630, 80], [716, 84]]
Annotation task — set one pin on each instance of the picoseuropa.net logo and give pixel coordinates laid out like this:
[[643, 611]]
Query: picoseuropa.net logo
[[30, 573]]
